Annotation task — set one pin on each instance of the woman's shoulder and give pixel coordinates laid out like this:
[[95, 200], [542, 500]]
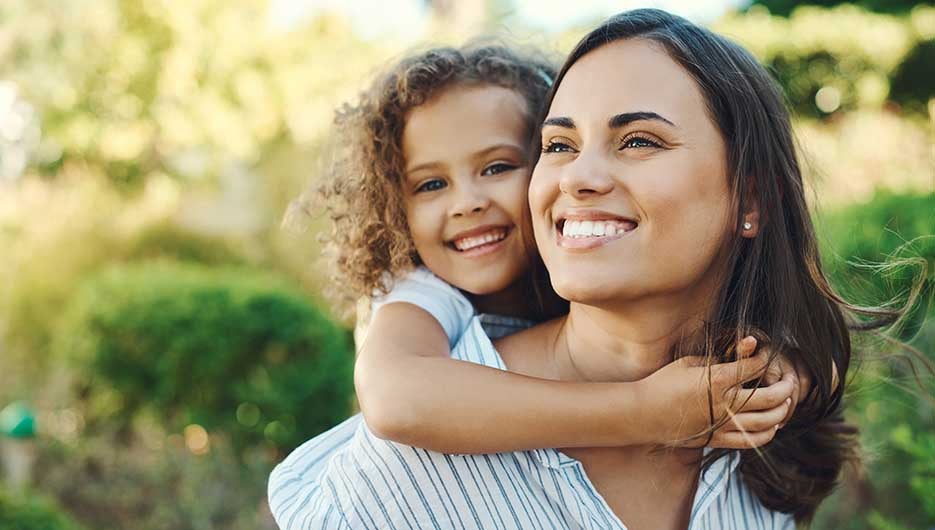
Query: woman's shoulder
[[344, 478], [528, 352], [723, 500], [295, 492], [376, 483], [476, 347]]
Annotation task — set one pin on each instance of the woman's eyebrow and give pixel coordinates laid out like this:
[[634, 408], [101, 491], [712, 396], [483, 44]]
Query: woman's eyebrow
[[621, 120], [566, 123], [616, 122]]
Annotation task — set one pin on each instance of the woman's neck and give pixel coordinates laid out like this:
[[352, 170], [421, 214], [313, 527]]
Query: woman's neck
[[623, 343]]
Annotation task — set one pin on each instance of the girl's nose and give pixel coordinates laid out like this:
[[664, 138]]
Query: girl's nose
[[469, 199]]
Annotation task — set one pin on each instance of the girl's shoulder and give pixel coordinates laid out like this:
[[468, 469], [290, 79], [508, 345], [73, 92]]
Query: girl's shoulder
[[423, 289]]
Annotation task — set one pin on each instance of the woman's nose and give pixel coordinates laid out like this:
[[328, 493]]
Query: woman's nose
[[587, 175], [469, 199]]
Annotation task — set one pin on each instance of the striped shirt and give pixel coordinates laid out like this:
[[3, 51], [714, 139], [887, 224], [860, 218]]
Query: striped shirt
[[348, 478]]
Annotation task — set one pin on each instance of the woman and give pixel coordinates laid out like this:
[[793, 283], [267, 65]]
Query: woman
[[678, 140]]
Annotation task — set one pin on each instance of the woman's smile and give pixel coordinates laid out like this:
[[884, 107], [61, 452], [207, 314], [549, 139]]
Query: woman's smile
[[588, 229]]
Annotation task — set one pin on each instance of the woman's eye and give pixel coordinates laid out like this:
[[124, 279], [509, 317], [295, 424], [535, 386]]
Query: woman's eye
[[497, 168], [638, 141], [554, 146], [431, 185]]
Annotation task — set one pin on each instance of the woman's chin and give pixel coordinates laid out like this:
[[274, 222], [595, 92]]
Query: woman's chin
[[584, 292]]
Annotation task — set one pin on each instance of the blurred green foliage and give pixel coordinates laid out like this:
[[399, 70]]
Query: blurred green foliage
[[785, 7], [156, 483], [29, 512], [184, 88], [862, 58], [912, 84], [231, 350], [874, 253], [56, 235], [881, 250], [166, 240]]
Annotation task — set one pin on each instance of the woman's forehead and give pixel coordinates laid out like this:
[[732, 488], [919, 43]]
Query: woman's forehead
[[632, 75]]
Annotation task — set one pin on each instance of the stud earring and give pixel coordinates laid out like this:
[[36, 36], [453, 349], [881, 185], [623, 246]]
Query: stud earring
[[747, 226]]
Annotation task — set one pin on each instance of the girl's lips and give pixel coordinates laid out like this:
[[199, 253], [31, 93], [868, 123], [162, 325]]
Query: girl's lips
[[483, 249]]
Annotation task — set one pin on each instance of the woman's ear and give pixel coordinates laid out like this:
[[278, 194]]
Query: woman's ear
[[750, 220]]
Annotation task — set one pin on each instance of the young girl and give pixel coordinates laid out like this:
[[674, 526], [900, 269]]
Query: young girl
[[428, 200]]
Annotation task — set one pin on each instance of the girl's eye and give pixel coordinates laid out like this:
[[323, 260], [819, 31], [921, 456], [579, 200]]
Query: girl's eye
[[496, 168], [431, 185], [638, 141], [555, 146]]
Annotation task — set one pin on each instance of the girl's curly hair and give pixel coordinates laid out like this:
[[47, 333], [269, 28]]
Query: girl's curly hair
[[361, 185]]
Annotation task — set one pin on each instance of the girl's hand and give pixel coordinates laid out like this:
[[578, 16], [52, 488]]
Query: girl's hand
[[781, 367], [683, 395]]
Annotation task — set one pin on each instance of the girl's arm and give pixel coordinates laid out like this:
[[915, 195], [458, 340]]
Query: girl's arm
[[410, 391]]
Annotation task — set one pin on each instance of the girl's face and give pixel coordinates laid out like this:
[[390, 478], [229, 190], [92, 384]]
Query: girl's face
[[465, 186], [630, 199]]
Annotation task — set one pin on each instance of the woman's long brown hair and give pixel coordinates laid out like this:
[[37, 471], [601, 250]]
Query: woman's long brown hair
[[774, 282]]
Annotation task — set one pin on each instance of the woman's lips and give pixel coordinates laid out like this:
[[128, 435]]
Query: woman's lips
[[591, 233]]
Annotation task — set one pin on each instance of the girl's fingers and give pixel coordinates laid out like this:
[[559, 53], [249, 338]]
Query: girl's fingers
[[727, 375], [774, 373], [746, 346], [741, 440], [794, 398], [763, 398], [760, 420]]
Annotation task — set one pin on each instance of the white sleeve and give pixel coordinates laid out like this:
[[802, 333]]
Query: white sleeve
[[423, 289]]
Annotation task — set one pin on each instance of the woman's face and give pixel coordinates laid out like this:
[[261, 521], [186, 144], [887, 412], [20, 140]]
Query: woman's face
[[630, 199]]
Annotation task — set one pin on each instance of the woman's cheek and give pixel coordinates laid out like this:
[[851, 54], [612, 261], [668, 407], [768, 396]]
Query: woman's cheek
[[541, 186]]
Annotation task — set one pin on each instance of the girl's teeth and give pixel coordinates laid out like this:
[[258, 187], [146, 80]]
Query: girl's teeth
[[473, 242]]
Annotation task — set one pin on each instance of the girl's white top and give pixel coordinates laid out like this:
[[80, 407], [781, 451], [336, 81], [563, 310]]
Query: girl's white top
[[347, 478]]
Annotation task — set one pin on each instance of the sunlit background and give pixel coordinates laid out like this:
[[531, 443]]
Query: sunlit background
[[163, 342]]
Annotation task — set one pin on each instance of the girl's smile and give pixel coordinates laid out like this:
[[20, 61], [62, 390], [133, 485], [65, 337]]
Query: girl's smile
[[480, 241]]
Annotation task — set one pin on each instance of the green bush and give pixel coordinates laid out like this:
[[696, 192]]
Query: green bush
[[156, 483], [167, 240], [18, 512], [785, 7], [893, 408], [232, 350], [874, 251], [862, 58], [912, 81]]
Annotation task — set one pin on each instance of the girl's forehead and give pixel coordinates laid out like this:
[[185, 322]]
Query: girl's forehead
[[463, 120]]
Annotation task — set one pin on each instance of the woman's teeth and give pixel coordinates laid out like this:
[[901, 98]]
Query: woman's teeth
[[468, 243], [596, 228]]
